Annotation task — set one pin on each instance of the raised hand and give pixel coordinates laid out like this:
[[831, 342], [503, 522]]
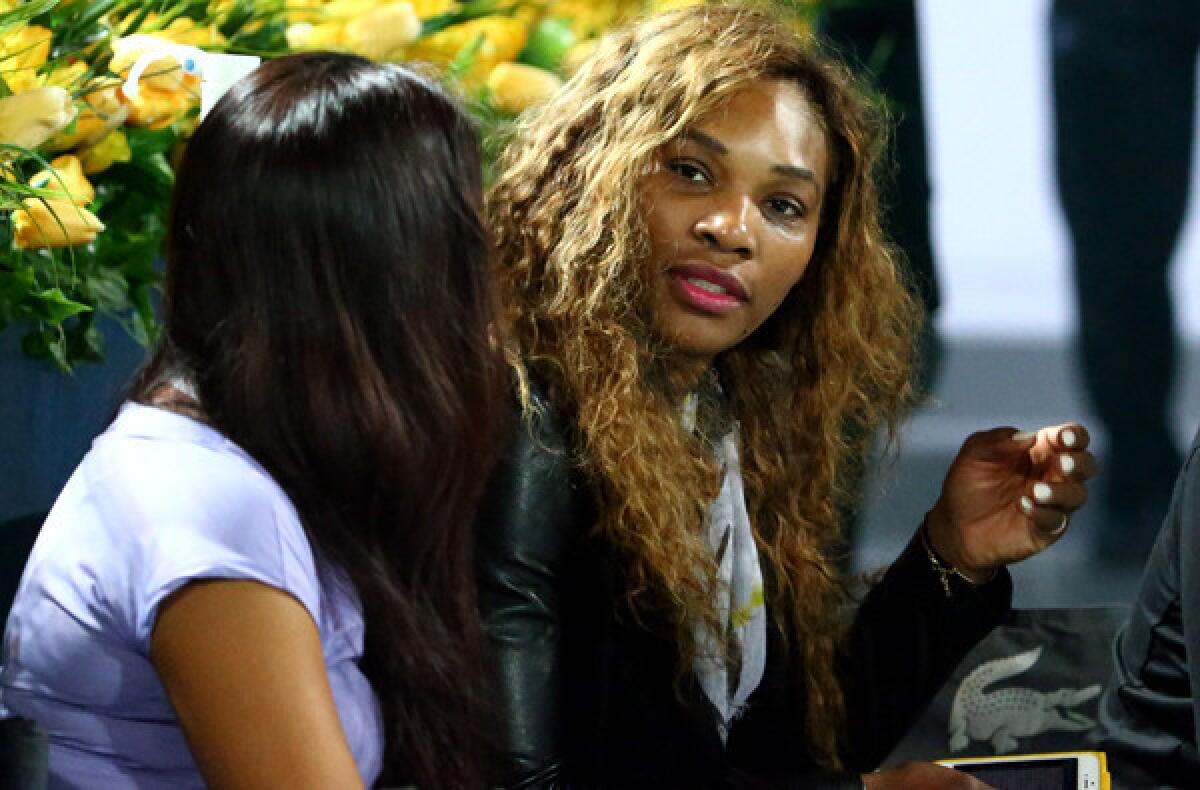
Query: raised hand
[[1008, 495], [922, 776]]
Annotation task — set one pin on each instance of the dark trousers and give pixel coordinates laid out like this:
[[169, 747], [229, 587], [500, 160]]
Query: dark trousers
[[878, 39], [1124, 100]]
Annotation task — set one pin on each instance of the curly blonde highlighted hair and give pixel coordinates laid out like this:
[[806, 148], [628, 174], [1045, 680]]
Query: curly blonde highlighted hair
[[807, 389]]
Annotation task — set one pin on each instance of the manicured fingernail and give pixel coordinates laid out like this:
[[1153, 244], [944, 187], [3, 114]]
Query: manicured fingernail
[[1066, 463], [1042, 492], [1026, 505], [1023, 436], [1067, 437]]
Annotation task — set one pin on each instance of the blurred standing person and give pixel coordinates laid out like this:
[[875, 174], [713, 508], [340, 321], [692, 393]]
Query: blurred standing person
[[1124, 101], [879, 40]]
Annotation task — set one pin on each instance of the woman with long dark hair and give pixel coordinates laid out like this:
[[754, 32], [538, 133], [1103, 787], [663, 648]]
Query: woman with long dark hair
[[260, 576]]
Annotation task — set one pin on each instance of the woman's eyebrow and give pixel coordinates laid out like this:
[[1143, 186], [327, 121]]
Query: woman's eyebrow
[[717, 147], [705, 140], [794, 171]]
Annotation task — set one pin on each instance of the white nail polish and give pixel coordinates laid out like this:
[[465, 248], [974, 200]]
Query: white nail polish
[[1026, 505], [1023, 436], [1067, 437], [1066, 463], [1042, 492]]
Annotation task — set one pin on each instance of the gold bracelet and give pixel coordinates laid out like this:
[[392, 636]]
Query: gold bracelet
[[945, 570]]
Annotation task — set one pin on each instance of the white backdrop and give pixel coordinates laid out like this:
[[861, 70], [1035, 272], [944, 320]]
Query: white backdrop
[[998, 231]]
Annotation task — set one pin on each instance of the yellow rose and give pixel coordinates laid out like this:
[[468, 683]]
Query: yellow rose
[[303, 12], [427, 8], [382, 31], [181, 30], [104, 154], [503, 40], [52, 223], [345, 10], [163, 74], [527, 15], [69, 77], [588, 18], [165, 91], [102, 112], [23, 51], [185, 31], [154, 109], [305, 35], [65, 177], [516, 86], [29, 118]]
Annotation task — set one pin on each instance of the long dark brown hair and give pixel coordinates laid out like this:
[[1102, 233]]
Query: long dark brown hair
[[327, 291]]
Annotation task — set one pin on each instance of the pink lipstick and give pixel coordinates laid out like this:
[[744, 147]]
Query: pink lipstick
[[706, 288]]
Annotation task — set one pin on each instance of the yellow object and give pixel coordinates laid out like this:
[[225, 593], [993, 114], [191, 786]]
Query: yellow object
[[382, 31], [53, 223], [102, 112], [104, 154], [306, 35], [22, 52], [516, 86], [346, 10], [69, 77], [184, 30], [662, 6], [1101, 758], [165, 92], [590, 18], [65, 177], [163, 74], [181, 30], [29, 118], [503, 38], [427, 8]]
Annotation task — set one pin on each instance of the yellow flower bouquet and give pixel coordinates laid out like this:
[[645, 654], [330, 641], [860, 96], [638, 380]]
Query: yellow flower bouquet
[[85, 167]]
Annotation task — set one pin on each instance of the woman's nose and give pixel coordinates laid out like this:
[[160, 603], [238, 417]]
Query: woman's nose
[[725, 226]]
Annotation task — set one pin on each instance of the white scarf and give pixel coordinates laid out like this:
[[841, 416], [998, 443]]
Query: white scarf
[[739, 595]]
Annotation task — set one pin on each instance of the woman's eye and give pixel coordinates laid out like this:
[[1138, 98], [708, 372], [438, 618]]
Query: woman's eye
[[689, 171], [786, 207]]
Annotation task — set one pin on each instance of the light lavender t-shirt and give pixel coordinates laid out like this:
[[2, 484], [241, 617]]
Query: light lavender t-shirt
[[160, 500]]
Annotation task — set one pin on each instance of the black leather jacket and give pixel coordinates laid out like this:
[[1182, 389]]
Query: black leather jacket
[[589, 696]]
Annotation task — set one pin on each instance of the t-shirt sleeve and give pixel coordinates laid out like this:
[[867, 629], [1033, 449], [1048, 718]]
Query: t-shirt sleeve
[[200, 515]]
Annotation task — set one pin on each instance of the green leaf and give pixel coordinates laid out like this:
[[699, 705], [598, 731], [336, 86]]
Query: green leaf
[[147, 142], [145, 325], [465, 13], [16, 282], [43, 343], [35, 343], [56, 307], [23, 13], [17, 294], [547, 44], [85, 341], [107, 290], [158, 168], [465, 57]]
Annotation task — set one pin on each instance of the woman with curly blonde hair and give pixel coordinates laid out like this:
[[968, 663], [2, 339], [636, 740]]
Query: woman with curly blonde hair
[[706, 326]]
